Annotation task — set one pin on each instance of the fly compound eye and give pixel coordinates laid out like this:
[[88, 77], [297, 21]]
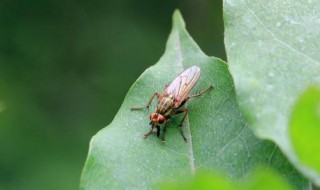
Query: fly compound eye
[[161, 119], [154, 117]]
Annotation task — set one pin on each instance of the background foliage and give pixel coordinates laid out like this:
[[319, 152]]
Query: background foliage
[[272, 48], [65, 67]]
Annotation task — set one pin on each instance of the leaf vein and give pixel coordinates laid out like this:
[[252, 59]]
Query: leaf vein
[[276, 38]]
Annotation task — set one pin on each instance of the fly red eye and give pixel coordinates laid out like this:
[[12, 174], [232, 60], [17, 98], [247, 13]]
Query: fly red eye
[[154, 117], [161, 119]]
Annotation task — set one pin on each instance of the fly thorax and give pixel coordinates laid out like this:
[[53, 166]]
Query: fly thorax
[[165, 106]]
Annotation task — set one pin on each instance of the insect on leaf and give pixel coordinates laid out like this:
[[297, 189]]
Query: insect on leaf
[[120, 158]]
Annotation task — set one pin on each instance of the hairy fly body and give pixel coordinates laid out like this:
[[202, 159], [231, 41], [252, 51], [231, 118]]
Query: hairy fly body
[[171, 101]]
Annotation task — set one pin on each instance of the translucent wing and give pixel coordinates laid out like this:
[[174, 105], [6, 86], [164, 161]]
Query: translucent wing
[[181, 86]]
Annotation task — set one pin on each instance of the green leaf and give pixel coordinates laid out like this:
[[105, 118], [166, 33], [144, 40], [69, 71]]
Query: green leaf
[[119, 157], [305, 128], [273, 52]]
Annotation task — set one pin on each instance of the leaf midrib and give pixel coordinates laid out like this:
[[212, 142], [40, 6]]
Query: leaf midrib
[[187, 123]]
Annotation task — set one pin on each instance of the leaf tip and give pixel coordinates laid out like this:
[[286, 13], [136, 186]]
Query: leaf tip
[[177, 19]]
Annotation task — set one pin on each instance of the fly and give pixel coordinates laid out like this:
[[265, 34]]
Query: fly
[[171, 101]]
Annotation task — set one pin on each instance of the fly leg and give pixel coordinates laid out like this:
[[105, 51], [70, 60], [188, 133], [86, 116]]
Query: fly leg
[[194, 96], [158, 131], [163, 134], [149, 133], [185, 111], [153, 129], [150, 101], [165, 128], [201, 92]]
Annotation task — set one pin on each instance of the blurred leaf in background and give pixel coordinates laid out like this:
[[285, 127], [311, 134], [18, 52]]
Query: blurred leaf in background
[[273, 53], [65, 67], [305, 128], [260, 178]]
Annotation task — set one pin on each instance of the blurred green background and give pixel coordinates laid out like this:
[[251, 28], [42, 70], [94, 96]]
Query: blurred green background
[[65, 67]]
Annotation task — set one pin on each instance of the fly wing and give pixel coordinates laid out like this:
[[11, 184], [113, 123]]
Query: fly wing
[[181, 86]]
